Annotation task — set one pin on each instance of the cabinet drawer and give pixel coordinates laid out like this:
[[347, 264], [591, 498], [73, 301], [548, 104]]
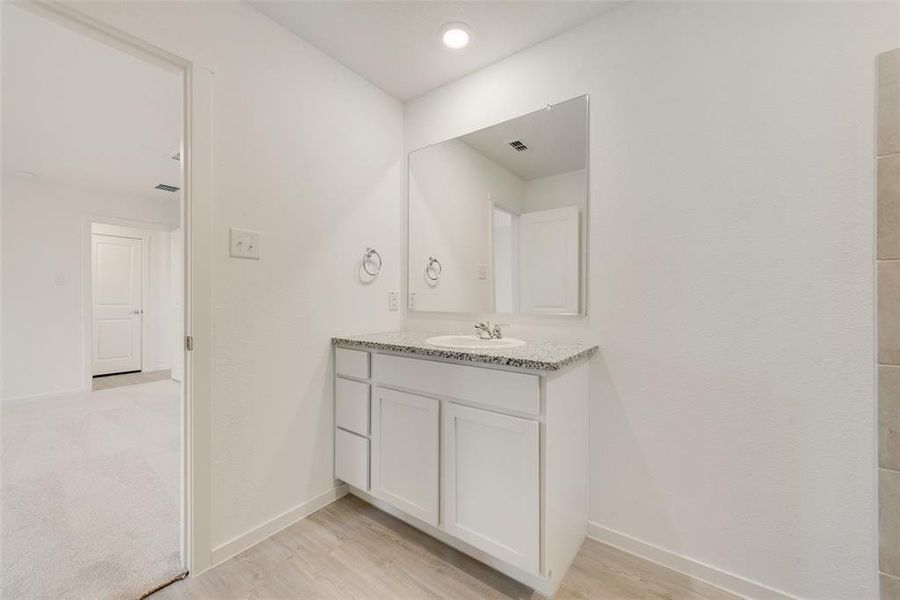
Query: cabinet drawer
[[352, 363], [351, 410], [519, 392], [351, 459]]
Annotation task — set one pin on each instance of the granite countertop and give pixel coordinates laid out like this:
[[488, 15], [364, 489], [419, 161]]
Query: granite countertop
[[534, 355]]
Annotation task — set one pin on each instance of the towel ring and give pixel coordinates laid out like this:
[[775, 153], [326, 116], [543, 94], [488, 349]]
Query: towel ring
[[431, 272], [367, 258]]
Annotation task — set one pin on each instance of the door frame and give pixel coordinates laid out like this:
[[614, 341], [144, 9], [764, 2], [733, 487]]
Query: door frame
[[494, 206], [196, 220], [116, 230]]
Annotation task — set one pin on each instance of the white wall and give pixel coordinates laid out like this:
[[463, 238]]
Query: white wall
[[450, 189], [556, 191], [44, 279], [161, 347], [310, 155], [731, 274]]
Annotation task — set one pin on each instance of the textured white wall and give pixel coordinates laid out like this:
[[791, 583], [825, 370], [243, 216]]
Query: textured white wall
[[44, 231], [556, 191], [731, 274], [310, 155], [450, 187]]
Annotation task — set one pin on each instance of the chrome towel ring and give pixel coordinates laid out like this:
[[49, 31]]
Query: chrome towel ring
[[434, 268], [369, 260]]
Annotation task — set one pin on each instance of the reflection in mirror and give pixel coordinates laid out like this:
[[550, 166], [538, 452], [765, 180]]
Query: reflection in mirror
[[497, 217]]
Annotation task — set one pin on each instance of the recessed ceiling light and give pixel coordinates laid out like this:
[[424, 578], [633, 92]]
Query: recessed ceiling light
[[455, 35], [26, 174]]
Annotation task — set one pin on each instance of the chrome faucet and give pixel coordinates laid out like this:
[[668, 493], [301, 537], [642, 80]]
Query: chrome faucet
[[483, 330]]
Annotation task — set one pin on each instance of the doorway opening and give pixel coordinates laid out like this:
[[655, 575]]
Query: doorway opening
[[505, 241], [136, 321], [94, 377]]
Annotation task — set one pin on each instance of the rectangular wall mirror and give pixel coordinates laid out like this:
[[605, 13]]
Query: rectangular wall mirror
[[498, 217]]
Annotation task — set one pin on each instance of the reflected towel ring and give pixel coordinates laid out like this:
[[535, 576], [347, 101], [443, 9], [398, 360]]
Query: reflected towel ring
[[367, 258], [431, 272]]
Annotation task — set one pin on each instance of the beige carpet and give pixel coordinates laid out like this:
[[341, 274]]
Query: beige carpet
[[89, 497]]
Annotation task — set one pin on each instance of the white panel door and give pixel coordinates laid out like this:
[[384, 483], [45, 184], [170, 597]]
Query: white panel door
[[549, 261], [490, 478], [117, 264], [405, 452]]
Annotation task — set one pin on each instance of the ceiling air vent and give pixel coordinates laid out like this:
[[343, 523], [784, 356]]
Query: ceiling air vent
[[518, 145], [167, 188]]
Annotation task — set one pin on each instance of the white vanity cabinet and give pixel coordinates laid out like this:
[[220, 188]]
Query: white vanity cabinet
[[489, 459]]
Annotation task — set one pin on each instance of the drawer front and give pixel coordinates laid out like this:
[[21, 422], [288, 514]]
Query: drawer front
[[351, 410], [352, 363], [351, 459], [505, 390]]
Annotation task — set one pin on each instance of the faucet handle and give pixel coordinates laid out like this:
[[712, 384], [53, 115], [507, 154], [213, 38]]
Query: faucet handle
[[496, 333], [483, 330]]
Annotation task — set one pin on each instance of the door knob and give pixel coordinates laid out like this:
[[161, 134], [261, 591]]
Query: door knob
[[137, 312]]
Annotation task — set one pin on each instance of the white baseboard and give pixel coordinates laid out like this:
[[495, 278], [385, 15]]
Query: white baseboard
[[150, 369], [240, 543], [46, 395], [687, 566]]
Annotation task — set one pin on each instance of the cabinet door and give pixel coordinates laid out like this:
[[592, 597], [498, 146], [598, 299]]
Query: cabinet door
[[490, 481], [405, 452]]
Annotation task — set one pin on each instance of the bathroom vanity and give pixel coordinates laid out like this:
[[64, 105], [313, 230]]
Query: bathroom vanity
[[484, 449], [482, 443]]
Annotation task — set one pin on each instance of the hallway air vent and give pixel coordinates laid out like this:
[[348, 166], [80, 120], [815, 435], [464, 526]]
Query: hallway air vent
[[518, 145], [167, 188]]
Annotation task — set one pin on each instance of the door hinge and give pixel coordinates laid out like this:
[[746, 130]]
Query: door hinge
[[188, 342]]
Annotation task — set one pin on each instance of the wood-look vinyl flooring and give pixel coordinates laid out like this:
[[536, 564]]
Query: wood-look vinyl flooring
[[351, 550]]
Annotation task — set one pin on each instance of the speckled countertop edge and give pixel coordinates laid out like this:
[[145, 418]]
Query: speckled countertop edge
[[535, 355]]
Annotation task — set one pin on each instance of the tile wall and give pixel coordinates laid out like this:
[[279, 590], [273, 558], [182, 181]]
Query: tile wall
[[888, 261]]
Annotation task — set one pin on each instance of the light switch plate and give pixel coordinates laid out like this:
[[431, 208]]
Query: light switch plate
[[393, 301], [243, 243], [411, 302], [482, 272]]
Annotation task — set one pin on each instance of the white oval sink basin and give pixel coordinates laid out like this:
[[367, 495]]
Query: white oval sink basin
[[473, 342]]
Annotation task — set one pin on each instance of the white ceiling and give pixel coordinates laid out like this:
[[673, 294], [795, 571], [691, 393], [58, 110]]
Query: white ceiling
[[396, 45], [78, 112], [556, 140]]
